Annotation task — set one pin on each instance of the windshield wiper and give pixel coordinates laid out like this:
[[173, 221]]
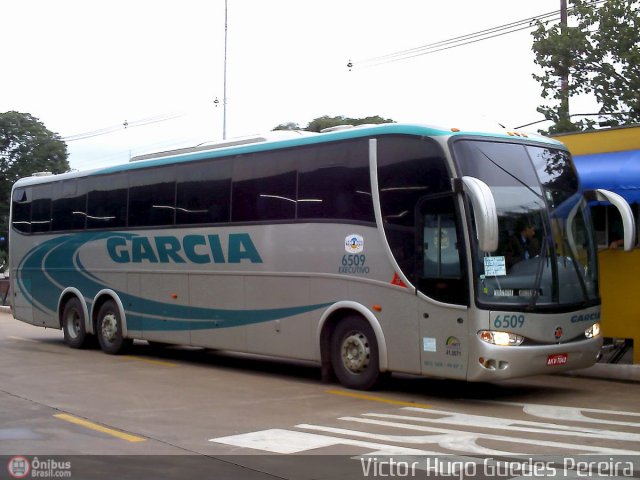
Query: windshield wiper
[[535, 294], [528, 187], [576, 267]]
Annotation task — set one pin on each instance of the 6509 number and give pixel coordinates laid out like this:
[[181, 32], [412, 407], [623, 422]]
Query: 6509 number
[[353, 260], [509, 321], [354, 264]]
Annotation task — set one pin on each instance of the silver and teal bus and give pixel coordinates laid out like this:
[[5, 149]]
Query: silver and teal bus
[[373, 249]]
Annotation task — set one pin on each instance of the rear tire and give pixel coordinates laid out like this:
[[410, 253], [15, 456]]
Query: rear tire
[[109, 330], [73, 324], [354, 353]]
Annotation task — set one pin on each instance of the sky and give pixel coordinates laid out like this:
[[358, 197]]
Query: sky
[[85, 68]]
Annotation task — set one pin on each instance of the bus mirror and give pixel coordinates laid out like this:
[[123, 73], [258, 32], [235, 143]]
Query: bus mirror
[[485, 213], [623, 207]]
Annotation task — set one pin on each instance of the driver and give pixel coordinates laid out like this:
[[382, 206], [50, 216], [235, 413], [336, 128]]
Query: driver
[[523, 245]]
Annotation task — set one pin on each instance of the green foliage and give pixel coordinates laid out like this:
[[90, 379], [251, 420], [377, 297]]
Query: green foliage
[[600, 52], [287, 126], [26, 147], [320, 123]]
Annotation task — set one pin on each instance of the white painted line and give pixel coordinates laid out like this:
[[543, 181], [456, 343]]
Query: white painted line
[[575, 414], [502, 438], [457, 441], [289, 442], [511, 425], [432, 425]]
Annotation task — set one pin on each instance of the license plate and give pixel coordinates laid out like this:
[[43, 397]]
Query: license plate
[[557, 359]]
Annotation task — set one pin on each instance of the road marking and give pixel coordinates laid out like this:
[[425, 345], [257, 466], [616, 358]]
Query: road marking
[[99, 428], [148, 360], [281, 441], [573, 413], [506, 424], [370, 398], [466, 435], [454, 433]]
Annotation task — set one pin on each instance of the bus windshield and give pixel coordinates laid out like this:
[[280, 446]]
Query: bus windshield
[[546, 254]]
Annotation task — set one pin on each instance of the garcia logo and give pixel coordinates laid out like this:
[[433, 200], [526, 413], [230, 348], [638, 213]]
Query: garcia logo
[[354, 243], [199, 249], [587, 317]]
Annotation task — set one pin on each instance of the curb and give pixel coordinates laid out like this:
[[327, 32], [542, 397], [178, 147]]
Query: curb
[[610, 371]]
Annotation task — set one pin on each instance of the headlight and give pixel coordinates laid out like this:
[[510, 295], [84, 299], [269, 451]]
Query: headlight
[[592, 331], [503, 339]]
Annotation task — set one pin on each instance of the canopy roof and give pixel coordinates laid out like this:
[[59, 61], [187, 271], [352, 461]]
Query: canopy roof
[[615, 171]]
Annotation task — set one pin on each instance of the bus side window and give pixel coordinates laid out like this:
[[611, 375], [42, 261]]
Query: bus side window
[[264, 188], [41, 209], [68, 210], [107, 201], [204, 192], [441, 275], [334, 182], [21, 210]]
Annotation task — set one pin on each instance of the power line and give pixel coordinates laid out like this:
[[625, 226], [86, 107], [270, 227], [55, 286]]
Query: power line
[[461, 40], [435, 50], [601, 114], [125, 125], [437, 45]]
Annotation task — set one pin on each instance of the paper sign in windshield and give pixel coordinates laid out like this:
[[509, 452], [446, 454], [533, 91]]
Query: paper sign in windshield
[[495, 266]]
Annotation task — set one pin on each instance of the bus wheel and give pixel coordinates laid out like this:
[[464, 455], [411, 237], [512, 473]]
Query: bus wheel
[[109, 329], [73, 326], [354, 353]]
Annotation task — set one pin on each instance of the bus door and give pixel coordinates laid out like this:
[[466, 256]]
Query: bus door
[[443, 286]]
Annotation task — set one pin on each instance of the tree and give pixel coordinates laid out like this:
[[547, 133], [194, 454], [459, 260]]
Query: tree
[[287, 126], [600, 55], [320, 123], [26, 147]]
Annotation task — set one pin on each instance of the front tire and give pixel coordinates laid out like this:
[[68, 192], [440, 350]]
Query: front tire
[[354, 353], [73, 324], [109, 330]]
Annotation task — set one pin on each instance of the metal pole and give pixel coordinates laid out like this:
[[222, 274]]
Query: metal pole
[[224, 93]]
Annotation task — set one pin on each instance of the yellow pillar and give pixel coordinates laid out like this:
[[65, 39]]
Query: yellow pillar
[[620, 291]]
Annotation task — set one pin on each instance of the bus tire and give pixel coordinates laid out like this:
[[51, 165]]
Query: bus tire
[[109, 329], [354, 353], [73, 324]]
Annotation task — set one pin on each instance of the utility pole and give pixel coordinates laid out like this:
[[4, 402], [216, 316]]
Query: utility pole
[[224, 92], [564, 117]]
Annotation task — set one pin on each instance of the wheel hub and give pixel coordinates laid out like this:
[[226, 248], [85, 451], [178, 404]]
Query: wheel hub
[[109, 327], [355, 352], [73, 324]]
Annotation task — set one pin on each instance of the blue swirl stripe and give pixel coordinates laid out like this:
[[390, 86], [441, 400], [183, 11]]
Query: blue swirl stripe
[[55, 265]]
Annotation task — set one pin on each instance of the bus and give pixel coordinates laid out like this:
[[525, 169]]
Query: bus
[[373, 249]]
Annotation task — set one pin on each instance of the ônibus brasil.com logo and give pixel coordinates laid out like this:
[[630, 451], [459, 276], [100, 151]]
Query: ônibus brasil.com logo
[[19, 467], [22, 467]]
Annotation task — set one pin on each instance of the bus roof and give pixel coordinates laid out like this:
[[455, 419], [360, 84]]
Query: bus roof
[[268, 142]]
